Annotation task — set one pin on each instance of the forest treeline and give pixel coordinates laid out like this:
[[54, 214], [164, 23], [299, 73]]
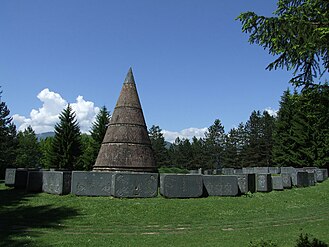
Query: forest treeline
[[298, 136]]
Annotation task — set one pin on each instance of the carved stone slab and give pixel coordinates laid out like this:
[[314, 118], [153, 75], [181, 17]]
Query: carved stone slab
[[10, 177], [34, 181], [181, 185], [222, 185], [300, 179], [91, 183], [264, 182], [134, 185], [321, 175], [247, 182], [16, 177], [286, 180], [248, 170], [57, 182], [274, 170], [277, 183]]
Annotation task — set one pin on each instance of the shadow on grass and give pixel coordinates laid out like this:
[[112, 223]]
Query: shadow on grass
[[21, 223]]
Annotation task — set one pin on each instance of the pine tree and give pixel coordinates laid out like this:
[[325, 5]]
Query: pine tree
[[258, 149], [298, 34], [28, 150], [282, 135], [66, 145], [99, 127], [214, 144], [8, 139], [98, 132], [46, 152], [159, 146], [87, 158], [198, 158]]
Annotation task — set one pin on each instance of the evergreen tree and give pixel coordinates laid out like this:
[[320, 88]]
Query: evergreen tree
[[66, 145], [258, 149], [198, 158], [214, 144], [99, 127], [159, 146], [98, 131], [298, 34], [87, 158], [180, 153], [282, 135], [28, 150], [46, 152], [8, 139]]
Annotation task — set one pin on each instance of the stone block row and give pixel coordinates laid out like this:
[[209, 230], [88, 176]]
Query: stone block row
[[143, 185]]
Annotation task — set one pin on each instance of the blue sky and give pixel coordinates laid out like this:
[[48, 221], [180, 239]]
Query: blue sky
[[191, 62]]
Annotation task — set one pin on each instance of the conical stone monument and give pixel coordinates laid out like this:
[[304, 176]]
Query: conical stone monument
[[126, 145]]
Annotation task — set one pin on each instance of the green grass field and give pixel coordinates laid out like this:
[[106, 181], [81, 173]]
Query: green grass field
[[50, 220]]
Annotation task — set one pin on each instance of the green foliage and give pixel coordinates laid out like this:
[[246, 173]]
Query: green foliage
[[180, 153], [161, 154], [8, 141], [87, 158], [302, 129], [98, 131], [46, 152], [259, 142], [28, 151], [298, 35], [173, 170], [214, 145], [304, 241], [66, 145]]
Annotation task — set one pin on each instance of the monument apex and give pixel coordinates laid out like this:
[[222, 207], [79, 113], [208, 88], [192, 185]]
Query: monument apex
[[126, 145]]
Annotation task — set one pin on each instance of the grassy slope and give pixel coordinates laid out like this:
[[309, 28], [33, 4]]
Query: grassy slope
[[50, 220]]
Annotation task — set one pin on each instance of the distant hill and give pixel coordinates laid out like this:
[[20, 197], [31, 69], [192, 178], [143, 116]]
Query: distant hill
[[45, 135]]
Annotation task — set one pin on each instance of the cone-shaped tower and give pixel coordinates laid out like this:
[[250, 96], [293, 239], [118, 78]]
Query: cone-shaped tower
[[126, 145]]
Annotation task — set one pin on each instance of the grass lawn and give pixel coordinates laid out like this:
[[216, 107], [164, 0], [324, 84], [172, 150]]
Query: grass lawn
[[51, 220]]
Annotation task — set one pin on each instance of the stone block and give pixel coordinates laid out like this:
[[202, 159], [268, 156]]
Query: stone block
[[277, 183], [34, 181], [263, 182], [238, 171], [181, 185], [10, 177], [274, 170], [227, 171], [247, 182], [286, 180], [221, 185], [248, 170], [311, 178], [300, 179], [86, 183], [321, 175], [57, 182], [16, 177], [287, 169], [134, 184], [261, 170]]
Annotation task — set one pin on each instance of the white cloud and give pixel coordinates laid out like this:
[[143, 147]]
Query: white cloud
[[45, 118], [188, 133], [271, 111]]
